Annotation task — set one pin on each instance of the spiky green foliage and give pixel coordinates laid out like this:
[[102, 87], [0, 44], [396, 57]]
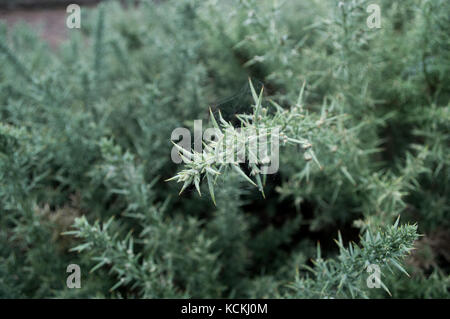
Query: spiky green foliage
[[343, 277], [252, 142], [85, 151]]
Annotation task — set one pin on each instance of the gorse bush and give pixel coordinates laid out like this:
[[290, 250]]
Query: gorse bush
[[85, 152]]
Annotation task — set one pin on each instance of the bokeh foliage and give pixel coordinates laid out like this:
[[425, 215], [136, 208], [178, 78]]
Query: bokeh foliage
[[85, 149]]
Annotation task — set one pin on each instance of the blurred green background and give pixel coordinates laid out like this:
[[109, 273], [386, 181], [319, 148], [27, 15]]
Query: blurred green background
[[87, 115]]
